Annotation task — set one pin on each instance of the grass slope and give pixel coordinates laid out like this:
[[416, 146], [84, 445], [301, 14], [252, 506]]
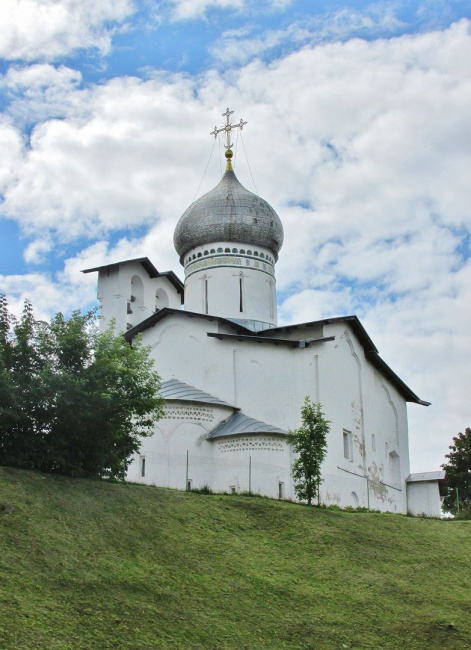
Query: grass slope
[[86, 564]]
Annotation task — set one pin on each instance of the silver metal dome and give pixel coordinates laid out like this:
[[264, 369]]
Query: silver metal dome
[[229, 213]]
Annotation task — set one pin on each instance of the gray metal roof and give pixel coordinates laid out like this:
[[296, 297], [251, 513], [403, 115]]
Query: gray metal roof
[[426, 476], [239, 423], [173, 389], [229, 213]]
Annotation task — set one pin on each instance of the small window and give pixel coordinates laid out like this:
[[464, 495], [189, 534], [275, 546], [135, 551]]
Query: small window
[[189, 485], [242, 251], [234, 250], [219, 250], [249, 252], [206, 253], [143, 465], [255, 254], [262, 255], [347, 445], [200, 254], [128, 309], [281, 490], [232, 489], [227, 250], [212, 251]]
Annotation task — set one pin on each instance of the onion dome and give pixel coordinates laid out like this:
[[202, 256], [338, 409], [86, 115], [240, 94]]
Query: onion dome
[[229, 213]]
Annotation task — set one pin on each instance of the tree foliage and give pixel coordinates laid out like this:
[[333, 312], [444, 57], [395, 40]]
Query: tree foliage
[[458, 470], [310, 443], [72, 401]]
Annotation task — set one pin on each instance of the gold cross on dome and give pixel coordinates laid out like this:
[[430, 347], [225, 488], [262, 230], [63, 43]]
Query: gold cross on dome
[[228, 127]]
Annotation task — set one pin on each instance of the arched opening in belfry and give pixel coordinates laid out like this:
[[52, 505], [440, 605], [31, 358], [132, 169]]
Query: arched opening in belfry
[[136, 301], [161, 299]]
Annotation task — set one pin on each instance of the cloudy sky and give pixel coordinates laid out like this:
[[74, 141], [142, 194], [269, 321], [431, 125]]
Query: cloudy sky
[[358, 134]]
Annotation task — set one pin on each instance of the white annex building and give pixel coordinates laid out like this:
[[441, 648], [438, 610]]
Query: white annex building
[[234, 382]]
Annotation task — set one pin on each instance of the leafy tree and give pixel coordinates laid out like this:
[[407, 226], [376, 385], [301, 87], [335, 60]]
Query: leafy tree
[[310, 442], [458, 470], [72, 401]]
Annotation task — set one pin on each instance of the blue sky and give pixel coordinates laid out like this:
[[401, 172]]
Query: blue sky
[[359, 134]]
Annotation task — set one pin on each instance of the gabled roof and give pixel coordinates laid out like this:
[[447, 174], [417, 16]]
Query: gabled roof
[[241, 424], [371, 351], [148, 267], [180, 313], [173, 389], [354, 322], [273, 336]]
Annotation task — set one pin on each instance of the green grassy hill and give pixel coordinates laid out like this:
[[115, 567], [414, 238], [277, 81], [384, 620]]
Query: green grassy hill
[[86, 564]]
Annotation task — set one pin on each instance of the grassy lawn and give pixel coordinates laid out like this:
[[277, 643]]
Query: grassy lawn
[[86, 564]]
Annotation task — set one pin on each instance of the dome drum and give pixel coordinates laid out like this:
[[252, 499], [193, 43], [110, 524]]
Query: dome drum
[[229, 254]]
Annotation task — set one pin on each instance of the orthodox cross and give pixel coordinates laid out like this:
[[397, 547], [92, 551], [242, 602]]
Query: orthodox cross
[[228, 127]]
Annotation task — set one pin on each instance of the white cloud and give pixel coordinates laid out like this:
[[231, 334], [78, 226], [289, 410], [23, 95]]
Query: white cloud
[[240, 46], [192, 9], [112, 163], [36, 251], [362, 147], [46, 29], [11, 146], [48, 295], [39, 91]]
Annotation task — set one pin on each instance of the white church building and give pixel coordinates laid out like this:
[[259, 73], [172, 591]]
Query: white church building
[[234, 382]]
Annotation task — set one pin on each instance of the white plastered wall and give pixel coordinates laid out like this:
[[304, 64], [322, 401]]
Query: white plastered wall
[[269, 382], [424, 498], [128, 295], [237, 282]]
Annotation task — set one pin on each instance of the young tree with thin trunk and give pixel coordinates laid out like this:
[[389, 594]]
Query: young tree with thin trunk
[[309, 442]]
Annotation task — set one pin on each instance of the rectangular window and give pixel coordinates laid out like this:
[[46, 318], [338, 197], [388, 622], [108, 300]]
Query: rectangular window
[[232, 489], [189, 485], [241, 303], [206, 310], [143, 465], [281, 490], [373, 442], [347, 445]]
